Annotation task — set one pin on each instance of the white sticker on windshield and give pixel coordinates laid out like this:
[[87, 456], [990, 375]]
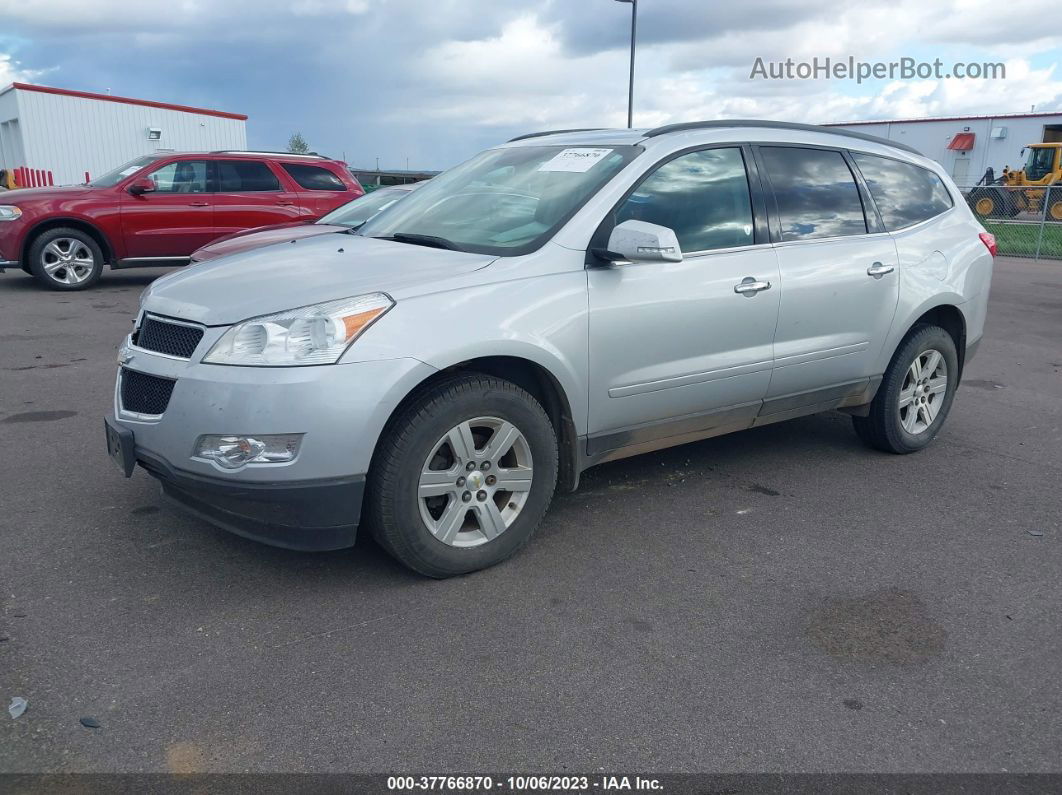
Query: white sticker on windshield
[[574, 160]]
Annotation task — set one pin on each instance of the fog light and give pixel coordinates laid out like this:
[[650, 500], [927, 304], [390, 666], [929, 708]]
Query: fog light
[[232, 452]]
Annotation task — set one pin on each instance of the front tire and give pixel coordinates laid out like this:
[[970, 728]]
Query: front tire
[[463, 476], [915, 395], [985, 203], [993, 203], [66, 259]]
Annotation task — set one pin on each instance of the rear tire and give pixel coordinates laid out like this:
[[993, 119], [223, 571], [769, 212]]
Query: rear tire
[[442, 508], [915, 395], [65, 259]]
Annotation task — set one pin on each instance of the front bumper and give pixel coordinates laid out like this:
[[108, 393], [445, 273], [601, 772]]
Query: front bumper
[[305, 515], [10, 242], [312, 502]]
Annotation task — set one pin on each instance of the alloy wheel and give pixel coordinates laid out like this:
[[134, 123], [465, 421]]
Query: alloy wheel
[[67, 260], [475, 481], [923, 391]]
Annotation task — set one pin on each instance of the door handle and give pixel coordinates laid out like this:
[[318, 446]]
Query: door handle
[[877, 269], [749, 287], [198, 204], [284, 202]]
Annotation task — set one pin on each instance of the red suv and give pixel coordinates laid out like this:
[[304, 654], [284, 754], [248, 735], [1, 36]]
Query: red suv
[[160, 208]]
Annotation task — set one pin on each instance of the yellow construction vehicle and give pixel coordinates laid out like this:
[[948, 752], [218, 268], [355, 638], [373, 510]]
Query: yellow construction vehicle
[[1014, 191]]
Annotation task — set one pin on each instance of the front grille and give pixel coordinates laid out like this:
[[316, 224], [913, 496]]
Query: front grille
[[173, 339], [145, 394]]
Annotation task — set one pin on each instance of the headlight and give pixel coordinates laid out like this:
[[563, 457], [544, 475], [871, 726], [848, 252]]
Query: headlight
[[317, 334], [9, 212]]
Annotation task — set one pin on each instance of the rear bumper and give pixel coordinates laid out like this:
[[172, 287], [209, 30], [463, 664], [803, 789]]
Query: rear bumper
[[311, 515]]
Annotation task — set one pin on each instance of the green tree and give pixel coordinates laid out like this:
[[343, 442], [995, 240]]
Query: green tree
[[297, 144]]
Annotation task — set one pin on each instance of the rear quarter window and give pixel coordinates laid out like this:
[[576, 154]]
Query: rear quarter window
[[905, 194], [313, 177]]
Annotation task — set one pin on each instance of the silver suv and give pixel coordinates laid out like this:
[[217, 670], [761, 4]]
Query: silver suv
[[555, 302]]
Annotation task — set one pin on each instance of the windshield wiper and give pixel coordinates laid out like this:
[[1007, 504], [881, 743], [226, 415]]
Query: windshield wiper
[[432, 241]]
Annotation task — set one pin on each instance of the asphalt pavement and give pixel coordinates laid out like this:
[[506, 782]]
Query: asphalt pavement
[[781, 599]]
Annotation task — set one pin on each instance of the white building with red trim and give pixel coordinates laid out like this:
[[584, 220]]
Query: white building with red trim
[[62, 135], [968, 145]]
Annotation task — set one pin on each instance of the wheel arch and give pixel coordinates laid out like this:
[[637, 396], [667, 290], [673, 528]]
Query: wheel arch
[[948, 316], [67, 222], [534, 378]]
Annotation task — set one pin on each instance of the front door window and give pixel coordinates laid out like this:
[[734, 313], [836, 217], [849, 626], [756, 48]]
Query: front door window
[[181, 176]]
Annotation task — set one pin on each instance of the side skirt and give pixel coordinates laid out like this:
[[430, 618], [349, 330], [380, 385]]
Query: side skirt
[[614, 445], [148, 262]]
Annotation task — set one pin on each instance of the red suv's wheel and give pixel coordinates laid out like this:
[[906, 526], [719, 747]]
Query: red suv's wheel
[[66, 259]]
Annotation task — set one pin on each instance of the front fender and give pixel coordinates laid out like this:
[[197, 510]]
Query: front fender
[[77, 220], [542, 320]]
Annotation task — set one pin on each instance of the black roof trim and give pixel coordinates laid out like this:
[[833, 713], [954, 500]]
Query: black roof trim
[[553, 132], [778, 125]]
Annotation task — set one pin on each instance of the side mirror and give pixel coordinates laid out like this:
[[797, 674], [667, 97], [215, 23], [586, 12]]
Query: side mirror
[[142, 185], [641, 241]]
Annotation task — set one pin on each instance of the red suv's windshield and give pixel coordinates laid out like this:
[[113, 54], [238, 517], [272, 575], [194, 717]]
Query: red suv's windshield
[[114, 177]]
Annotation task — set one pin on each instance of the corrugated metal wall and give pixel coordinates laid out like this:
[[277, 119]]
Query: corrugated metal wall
[[931, 139], [71, 135], [10, 133]]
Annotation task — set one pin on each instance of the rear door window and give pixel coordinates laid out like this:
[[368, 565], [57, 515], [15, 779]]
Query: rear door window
[[702, 196], [815, 193], [905, 194], [313, 177], [245, 176]]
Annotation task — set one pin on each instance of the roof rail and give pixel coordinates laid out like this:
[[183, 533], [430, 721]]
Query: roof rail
[[266, 152], [553, 132], [778, 125]]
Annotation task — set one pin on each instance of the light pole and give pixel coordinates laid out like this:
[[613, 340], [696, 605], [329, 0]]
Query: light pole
[[634, 33]]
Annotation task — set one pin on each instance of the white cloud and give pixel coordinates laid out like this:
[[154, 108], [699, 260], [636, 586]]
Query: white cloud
[[118, 14], [12, 72], [311, 8], [386, 76], [1030, 24], [521, 76]]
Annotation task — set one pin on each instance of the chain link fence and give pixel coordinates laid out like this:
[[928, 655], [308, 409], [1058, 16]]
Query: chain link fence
[[1026, 220]]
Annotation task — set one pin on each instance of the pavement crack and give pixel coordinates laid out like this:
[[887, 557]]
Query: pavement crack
[[330, 632]]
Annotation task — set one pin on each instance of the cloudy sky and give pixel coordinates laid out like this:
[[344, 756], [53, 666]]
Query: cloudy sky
[[436, 80]]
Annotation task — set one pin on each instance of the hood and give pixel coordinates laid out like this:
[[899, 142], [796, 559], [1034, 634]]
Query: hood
[[263, 236], [24, 195], [308, 271]]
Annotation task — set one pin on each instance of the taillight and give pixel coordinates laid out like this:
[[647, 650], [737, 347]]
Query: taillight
[[990, 242]]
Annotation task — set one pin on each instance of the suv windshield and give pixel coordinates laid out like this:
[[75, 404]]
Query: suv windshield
[[357, 212], [120, 173], [1040, 163], [504, 202]]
